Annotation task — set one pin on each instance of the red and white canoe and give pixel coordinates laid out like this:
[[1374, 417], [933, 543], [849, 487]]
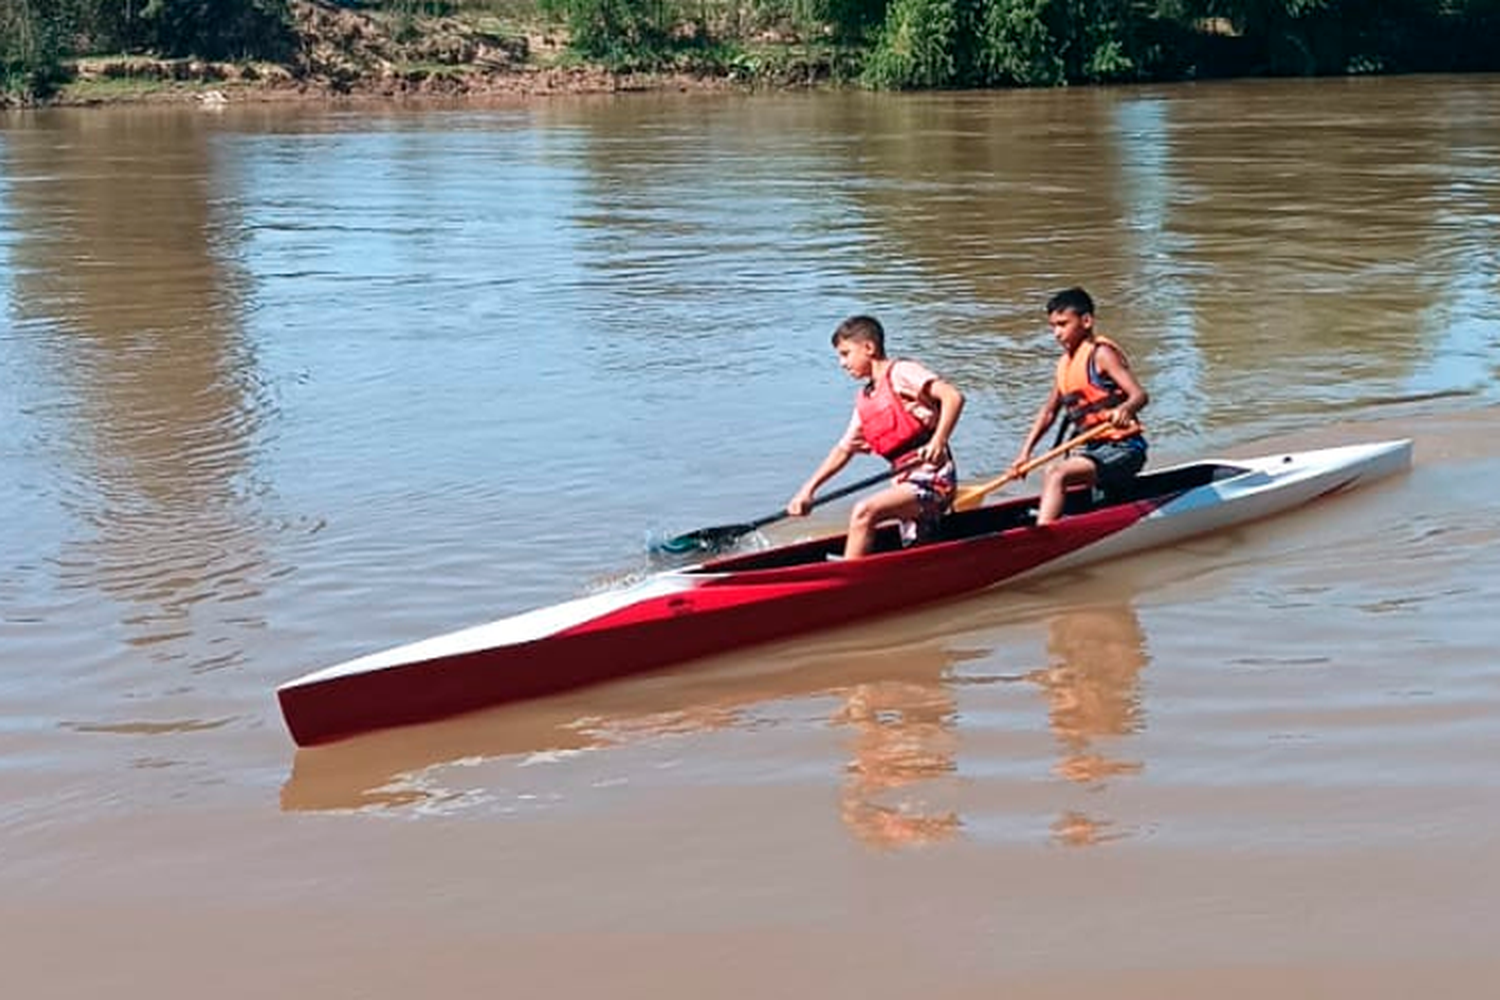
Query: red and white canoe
[[739, 600]]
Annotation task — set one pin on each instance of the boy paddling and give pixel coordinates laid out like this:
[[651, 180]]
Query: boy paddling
[[1093, 385], [905, 413]]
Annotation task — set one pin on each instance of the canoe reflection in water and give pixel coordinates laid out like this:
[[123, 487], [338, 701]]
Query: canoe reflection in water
[[1095, 656], [893, 699]]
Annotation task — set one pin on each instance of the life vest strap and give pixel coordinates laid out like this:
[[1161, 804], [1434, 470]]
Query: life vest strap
[[1074, 414]]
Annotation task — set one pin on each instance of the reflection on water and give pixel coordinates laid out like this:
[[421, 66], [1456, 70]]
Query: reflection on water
[[415, 765], [406, 767], [898, 786], [1095, 656], [128, 299], [905, 742], [896, 701]]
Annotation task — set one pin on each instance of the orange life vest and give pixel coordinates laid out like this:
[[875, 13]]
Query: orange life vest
[[889, 428], [1087, 393]]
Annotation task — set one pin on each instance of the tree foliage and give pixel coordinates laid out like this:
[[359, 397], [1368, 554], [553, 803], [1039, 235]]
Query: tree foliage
[[960, 43], [38, 36], [612, 29], [31, 46], [217, 29], [1016, 46], [917, 45]]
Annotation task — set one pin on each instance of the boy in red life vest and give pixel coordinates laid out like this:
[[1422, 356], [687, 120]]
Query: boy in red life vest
[[1093, 385], [903, 413]]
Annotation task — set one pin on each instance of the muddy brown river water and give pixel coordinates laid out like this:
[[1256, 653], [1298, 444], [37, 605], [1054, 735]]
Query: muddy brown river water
[[280, 386]]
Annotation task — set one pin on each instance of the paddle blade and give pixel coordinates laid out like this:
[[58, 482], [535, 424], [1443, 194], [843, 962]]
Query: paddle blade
[[969, 497], [710, 540]]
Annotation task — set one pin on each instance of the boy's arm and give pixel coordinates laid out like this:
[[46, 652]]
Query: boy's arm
[[1112, 363], [950, 403], [1044, 418], [801, 501]]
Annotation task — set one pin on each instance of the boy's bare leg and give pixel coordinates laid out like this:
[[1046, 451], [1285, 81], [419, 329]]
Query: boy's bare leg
[[891, 503], [1055, 482]]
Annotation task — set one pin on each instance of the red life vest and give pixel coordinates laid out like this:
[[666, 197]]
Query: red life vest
[[889, 428], [1087, 393]]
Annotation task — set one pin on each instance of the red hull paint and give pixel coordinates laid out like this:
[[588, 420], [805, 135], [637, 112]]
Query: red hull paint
[[717, 615]]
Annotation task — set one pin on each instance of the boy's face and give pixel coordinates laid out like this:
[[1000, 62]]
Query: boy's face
[[1070, 328], [857, 357]]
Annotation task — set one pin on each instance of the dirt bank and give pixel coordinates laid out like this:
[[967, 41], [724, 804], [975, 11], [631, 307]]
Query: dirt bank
[[341, 53]]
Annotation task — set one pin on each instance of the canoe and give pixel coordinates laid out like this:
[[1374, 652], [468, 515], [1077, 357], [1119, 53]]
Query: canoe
[[740, 600]]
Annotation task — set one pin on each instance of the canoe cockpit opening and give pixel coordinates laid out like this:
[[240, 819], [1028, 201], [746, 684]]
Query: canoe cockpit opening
[[1180, 480], [1021, 513], [988, 520]]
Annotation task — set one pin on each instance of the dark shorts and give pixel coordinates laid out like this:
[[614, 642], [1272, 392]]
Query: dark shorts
[[1116, 462]]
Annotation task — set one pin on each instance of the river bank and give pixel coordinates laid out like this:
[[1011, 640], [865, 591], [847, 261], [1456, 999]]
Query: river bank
[[390, 49], [153, 81], [352, 54]]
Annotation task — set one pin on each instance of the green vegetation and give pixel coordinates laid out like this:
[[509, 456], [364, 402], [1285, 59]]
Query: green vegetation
[[897, 44], [928, 44], [31, 48], [37, 37]]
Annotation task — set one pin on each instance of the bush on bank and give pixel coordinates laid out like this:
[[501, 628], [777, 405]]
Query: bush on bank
[[37, 37]]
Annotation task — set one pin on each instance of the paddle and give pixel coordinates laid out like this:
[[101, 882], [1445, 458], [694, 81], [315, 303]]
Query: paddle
[[969, 497], [717, 538]]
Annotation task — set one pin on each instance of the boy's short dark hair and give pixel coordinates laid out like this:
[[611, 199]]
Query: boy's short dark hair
[[866, 328], [1074, 298]]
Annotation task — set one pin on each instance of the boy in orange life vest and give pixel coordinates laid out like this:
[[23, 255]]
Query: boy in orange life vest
[[1093, 385], [903, 413]]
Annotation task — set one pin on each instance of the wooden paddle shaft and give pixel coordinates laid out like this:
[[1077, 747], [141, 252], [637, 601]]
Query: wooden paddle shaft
[[970, 497]]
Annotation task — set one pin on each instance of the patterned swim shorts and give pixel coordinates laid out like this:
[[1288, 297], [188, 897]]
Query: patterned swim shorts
[[934, 486]]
